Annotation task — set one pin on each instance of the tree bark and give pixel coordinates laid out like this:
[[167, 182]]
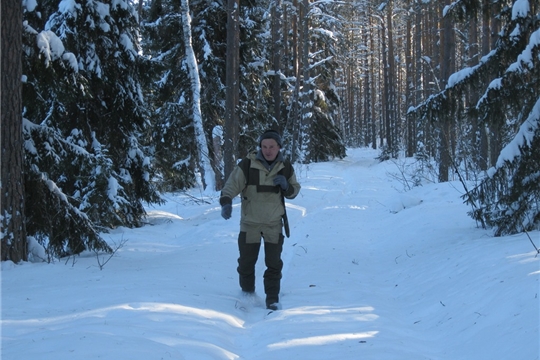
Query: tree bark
[[203, 161], [306, 110], [14, 242], [418, 68], [446, 125], [276, 59], [484, 129], [230, 130], [409, 87], [392, 129], [386, 89]]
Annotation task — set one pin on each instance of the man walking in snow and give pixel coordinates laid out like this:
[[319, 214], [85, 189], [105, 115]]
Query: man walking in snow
[[264, 178]]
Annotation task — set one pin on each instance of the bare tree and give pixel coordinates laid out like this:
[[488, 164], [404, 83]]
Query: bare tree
[[14, 243]]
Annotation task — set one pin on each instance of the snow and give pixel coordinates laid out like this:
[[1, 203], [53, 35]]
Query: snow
[[103, 10], [36, 252], [113, 188], [55, 190], [524, 137], [520, 9], [49, 45], [526, 57], [71, 60], [69, 6], [495, 84], [460, 75], [121, 4], [370, 272], [30, 5], [126, 42]]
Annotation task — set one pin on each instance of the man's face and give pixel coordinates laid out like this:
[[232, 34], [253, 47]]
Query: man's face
[[270, 149]]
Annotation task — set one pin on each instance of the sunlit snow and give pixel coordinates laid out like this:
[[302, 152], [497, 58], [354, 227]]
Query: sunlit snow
[[370, 272]]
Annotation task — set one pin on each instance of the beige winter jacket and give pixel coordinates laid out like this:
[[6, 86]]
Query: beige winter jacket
[[262, 206]]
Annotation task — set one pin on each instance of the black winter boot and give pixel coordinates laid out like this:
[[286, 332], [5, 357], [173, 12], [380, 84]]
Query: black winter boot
[[272, 302]]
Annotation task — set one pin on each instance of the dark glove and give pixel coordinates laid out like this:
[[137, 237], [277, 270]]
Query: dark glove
[[226, 211], [281, 181]]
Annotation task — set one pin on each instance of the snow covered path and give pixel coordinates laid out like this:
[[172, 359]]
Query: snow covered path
[[369, 272]]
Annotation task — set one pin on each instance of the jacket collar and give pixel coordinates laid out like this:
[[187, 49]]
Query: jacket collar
[[269, 167]]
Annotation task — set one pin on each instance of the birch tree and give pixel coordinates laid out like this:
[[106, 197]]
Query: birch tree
[[207, 176]]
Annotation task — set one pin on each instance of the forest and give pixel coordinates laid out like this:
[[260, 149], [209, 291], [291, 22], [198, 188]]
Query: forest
[[108, 104]]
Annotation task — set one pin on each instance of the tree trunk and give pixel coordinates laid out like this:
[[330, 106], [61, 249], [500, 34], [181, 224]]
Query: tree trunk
[[296, 53], [372, 91], [386, 89], [472, 98], [306, 109], [495, 141], [276, 59], [392, 103], [409, 88], [484, 149], [446, 123], [203, 161], [419, 135], [230, 130], [14, 243]]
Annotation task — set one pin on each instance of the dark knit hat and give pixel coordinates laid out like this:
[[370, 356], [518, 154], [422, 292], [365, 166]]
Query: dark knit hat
[[271, 134]]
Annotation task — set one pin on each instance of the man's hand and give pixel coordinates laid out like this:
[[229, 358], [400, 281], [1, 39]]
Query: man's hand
[[226, 211], [281, 181]]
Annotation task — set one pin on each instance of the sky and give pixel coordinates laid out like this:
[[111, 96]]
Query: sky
[[371, 271]]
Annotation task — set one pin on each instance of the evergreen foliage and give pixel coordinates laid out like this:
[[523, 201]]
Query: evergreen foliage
[[326, 140], [55, 219], [106, 127], [170, 92], [86, 168], [255, 101], [507, 199]]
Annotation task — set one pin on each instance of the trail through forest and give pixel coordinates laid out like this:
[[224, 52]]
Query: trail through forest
[[370, 272]]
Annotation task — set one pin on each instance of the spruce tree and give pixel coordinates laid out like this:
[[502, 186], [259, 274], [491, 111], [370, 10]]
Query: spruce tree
[[84, 117], [170, 92], [507, 197], [314, 90], [326, 138]]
